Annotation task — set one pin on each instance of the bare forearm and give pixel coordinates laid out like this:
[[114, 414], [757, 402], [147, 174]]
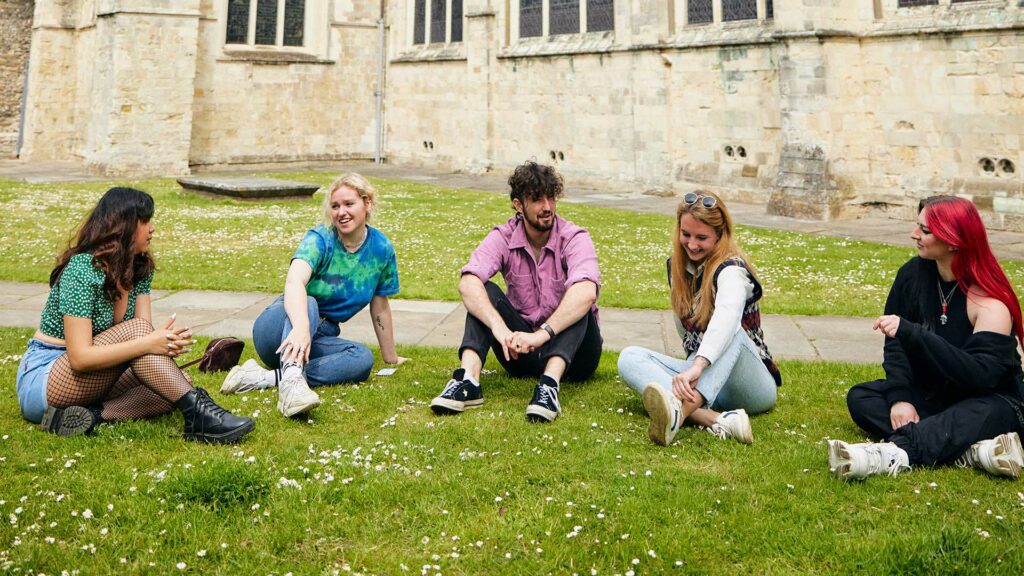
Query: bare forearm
[[295, 305], [380, 312], [91, 357], [577, 301], [474, 298]]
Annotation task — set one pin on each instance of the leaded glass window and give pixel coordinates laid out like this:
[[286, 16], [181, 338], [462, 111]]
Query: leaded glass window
[[600, 15], [456, 20], [437, 21], [294, 22], [266, 22], [733, 10], [238, 22], [957, 1], [906, 3], [530, 18], [564, 17], [699, 12], [769, 9], [419, 25]]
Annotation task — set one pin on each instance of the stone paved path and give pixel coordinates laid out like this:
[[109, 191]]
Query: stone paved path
[[432, 323]]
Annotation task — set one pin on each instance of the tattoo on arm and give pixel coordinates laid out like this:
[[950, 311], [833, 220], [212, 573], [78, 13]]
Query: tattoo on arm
[[379, 323]]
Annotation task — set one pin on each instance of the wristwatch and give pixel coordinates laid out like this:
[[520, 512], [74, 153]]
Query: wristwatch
[[548, 329]]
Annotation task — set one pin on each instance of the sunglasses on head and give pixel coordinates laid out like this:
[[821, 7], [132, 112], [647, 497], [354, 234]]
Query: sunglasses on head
[[705, 201]]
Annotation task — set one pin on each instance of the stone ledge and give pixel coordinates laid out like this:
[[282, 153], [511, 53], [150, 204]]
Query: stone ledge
[[248, 188]]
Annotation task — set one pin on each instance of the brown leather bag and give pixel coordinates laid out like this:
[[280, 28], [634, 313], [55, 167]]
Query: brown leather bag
[[221, 354]]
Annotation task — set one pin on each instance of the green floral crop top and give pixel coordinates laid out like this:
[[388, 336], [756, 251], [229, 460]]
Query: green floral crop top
[[79, 293]]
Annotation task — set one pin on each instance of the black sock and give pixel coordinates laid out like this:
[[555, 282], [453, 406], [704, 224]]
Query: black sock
[[548, 380]]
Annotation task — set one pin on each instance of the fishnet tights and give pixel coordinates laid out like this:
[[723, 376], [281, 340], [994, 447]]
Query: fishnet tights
[[144, 387]]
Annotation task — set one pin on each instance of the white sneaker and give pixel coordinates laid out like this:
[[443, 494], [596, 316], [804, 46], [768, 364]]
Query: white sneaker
[[295, 396], [666, 413], [733, 424], [858, 461], [999, 456], [245, 378]]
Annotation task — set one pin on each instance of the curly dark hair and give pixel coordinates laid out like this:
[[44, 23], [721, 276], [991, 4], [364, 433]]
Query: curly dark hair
[[535, 181], [108, 233]]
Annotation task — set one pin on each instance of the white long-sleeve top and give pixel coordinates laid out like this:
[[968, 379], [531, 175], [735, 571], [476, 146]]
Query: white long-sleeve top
[[733, 290]]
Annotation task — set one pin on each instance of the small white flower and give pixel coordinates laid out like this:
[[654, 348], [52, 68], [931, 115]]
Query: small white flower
[[636, 561], [87, 514], [201, 553], [181, 565]]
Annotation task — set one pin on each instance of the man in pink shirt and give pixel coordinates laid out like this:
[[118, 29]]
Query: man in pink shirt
[[547, 325]]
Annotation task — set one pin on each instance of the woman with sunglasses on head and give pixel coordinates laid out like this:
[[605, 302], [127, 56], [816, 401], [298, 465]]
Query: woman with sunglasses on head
[[96, 356], [728, 371], [952, 391]]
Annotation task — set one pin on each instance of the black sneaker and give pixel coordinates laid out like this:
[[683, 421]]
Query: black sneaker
[[458, 395], [70, 421], [544, 406]]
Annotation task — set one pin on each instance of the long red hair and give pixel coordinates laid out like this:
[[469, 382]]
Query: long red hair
[[956, 222]]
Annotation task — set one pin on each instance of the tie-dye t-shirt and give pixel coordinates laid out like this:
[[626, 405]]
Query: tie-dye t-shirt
[[342, 282]]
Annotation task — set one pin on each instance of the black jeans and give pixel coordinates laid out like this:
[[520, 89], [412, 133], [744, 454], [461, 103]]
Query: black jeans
[[945, 431], [579, 345]]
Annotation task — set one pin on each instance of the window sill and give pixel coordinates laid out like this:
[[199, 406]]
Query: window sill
[[270, 55], [432, 53], [561, 45], [725, 34]]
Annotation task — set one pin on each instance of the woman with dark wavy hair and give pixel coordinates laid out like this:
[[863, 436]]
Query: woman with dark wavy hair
[[952, 391], [96, 356]]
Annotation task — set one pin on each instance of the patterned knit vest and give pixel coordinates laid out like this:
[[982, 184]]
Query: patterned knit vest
[[692, 334]]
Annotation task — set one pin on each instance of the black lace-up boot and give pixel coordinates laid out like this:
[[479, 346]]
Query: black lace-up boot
[[207, 422]]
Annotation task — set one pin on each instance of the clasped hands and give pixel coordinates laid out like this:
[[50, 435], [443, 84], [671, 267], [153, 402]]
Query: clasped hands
[[515, 343], [171, 340]]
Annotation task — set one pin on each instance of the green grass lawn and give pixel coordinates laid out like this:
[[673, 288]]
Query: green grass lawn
[[216, 244], [375, 483]]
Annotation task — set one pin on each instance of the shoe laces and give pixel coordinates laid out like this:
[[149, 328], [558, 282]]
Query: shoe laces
[[547, 395], [451, 387], [208, 403], [877, 457], [718, 430]]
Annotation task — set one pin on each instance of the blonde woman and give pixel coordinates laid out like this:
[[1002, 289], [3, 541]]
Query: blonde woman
[[728, 371], [340, 267]]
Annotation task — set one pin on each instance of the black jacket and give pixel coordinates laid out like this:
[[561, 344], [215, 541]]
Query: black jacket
[[919, 359]]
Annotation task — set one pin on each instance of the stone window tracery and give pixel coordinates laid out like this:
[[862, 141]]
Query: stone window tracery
[[555, 17], [266, 22], [444, 25]]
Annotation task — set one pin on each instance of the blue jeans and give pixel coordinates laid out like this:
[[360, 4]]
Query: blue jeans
[[738, 379], [331, 359], [33, 372]]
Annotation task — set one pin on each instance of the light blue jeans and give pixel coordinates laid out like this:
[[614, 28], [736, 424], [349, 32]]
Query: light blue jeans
[[332, 360], [33, 373], [738, 379]]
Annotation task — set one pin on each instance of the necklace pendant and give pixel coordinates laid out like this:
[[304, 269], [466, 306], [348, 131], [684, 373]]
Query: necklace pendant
[[942, 319]]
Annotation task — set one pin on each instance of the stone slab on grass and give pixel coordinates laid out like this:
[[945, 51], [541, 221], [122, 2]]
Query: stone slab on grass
[[248, 187]]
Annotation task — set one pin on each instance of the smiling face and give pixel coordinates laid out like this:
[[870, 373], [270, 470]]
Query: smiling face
[[929, 246], [348, 211], [538, 214], [697, 238], [143, 236]]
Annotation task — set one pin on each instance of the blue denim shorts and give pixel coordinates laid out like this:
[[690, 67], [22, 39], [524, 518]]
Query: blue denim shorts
[[33, 372]]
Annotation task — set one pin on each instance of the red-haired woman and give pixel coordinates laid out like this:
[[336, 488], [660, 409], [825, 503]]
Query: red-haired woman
[[952, 390], [96, 356]]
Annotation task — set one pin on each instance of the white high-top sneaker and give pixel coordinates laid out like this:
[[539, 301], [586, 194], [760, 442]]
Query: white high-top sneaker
[[858, 461], [999, 456], [295, 396], [246, 378]]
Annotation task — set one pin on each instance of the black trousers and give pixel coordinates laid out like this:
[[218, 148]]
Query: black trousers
[[945, 431], [579, 345]]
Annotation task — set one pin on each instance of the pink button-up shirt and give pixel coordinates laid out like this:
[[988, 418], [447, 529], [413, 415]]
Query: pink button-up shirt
[[535, 288]]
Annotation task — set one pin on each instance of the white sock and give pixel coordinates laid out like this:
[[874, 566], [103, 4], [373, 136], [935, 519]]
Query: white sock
[[472, 381]]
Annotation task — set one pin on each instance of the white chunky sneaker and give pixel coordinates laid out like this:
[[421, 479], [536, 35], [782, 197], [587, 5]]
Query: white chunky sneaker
[[733, 424], [245, 378], [666, 413], [999, 456], [295, 396], [858, 461]]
